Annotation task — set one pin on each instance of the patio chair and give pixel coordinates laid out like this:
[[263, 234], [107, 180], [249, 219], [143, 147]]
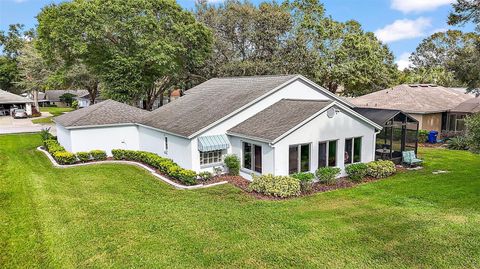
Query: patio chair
[[410, 158]]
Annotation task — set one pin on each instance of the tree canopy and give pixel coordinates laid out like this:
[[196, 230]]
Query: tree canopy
[[295, 37], [137, 48]]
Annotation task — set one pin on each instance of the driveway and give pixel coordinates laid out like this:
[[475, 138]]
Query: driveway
[[9, 125]]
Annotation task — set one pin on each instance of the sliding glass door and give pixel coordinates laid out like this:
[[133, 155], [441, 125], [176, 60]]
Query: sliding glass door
[[299, 158]]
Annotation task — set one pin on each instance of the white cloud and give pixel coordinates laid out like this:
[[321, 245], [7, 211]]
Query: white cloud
[[19, 1], [403, 29], [403, 61], [418, 5]]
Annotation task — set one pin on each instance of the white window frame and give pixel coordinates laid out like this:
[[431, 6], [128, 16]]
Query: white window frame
[[299, 157], [251, 169], [327, 142], [353, 150], [211, 156]]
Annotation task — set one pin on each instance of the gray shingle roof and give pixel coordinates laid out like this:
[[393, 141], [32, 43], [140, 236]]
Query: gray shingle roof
[[278, 119], [104, 113], [10, 98], [211, 101], [413, 98], [54, 95], [470, 106]]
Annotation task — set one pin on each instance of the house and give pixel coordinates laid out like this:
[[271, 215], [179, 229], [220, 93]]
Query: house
[[8, 101], [161, 100], [275, 124], [84, 100], [53, 96], [456, 116], [429, 104]]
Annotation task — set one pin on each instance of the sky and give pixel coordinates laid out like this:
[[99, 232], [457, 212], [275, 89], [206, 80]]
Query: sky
[[401, 24]]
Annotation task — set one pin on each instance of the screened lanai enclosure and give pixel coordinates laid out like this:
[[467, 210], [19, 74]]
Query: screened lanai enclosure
[[399, 133]]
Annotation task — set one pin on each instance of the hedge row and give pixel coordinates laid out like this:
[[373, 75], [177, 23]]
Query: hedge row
[[164, 165], [64, 157]]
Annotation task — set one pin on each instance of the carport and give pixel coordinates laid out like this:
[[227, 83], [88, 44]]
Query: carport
[[9, 101]]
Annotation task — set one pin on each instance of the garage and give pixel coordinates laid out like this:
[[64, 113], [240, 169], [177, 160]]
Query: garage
[[10, 101]]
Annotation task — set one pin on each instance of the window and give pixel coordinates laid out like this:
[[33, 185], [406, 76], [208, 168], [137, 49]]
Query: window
[[211, 157], [299, 158], [353, 150], [252, 157], [357, 150], [327, 154], [166, 144]]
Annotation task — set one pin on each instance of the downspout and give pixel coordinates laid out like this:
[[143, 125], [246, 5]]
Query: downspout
[[273, 166], [375, 143]]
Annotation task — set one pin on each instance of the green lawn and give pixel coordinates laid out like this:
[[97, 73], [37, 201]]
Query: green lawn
[[110, 216], [56, 111]]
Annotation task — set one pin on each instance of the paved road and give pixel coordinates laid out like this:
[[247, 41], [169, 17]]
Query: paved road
[[9, 125]]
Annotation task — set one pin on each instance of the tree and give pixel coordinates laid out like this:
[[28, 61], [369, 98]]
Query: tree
[[465, 11], [295, 37], [11, 42], [67, 98], [433, 75], [473, 132], [466, 65], [34, 73], [137, 48]]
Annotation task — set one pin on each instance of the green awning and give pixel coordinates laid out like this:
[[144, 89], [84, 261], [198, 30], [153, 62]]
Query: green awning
[[213, 142]]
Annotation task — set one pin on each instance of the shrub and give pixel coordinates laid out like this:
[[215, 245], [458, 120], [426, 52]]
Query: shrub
[[45, 134], [458, 143], [356, 172], [118, 154], [98, 155], [64, 157], [278, 186], [305, 179], [187, 177], [422, 136], [232, 162], [205, 176], [472, 124], [328, 175], [164, 165], [52, 146], [380, 169], [83, 156]]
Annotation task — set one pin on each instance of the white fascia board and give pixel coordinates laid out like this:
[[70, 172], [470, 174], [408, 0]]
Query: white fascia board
[[250, 137]]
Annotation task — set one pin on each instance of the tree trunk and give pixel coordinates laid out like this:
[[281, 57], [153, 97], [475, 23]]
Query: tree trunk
[[92, 92], [35, 100]]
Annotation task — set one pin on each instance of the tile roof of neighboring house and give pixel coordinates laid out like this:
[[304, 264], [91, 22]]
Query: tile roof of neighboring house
[[413, 98], [470, 106], [54, 95], [211, 101], [10, 98], [378, 115], [278, 118], [105, 113]]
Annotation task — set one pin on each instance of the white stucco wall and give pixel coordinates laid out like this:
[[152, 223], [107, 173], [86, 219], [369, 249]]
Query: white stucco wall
[[28, 109], [267, 155], [322, 128], [105, 138], [63, 137], [295, 90], [179, 148]]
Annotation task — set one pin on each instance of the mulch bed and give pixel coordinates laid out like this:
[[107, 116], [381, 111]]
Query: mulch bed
[[317, 187]]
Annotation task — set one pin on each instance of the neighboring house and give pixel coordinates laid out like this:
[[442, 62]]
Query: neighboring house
[[457, 115], [275, 124], [84, 100], [427, 103], [53, 96], [9, 101]]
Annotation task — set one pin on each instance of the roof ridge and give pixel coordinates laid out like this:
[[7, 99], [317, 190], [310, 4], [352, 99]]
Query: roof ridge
[[257, 76], [99, 105]]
